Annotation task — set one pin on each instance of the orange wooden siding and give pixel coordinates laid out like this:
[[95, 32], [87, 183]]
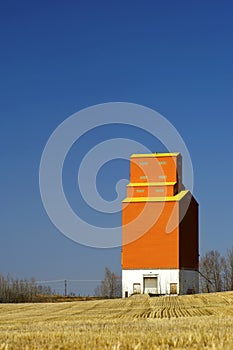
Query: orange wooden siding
[[155, 247], [151, 191], [146, 242], [152, 169]]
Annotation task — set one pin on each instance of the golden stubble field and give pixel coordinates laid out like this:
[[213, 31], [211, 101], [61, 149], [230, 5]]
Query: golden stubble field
[[202, 321]]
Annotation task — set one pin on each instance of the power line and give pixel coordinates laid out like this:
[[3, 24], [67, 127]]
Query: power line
[[62, 280], [84, 280], [65, 281], [50, 281]]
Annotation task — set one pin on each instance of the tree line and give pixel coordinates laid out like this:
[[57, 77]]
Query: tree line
[[216, 272], [216, 275], [14, 290]]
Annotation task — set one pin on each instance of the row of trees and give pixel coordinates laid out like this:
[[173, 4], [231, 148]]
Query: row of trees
[[216, 272], [14, 290]]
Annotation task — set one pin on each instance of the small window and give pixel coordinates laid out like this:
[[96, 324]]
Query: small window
[[162, 162], [143, 163], [143, 177], [139, 191], [159, 190], [162, 176], [173, 288]]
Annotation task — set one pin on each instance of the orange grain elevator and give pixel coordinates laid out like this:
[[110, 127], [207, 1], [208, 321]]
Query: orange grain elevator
[[159, 228]]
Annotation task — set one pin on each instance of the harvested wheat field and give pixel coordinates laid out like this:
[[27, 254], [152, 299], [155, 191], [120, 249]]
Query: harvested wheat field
[[202, 321]]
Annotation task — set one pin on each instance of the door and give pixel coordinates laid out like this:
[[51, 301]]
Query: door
[[173, 288], [150, 285], [137, 288]]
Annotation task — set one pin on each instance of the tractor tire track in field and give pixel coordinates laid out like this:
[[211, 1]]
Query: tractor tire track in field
[[138, 322], [134, 307], [174, 307], [166, 307]]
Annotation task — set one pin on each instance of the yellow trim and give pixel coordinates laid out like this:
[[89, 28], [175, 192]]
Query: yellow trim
[[175, 198], [155, 155], [135, 184]]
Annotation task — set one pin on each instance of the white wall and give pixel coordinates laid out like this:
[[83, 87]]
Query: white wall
[[165, 277], [185, 279]]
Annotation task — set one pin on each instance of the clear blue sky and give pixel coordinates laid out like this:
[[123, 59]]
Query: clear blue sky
[[58, 57]]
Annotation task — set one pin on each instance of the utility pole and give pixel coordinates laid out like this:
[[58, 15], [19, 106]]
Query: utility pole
[[65, 288]]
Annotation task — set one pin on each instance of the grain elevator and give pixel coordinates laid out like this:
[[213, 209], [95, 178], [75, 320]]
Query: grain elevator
[[159, 228]]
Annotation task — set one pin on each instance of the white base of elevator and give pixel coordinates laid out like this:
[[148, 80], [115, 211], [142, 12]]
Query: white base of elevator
[[159, 281]]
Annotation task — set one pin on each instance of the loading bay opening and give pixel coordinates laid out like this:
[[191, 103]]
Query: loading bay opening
[[150, 284]]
